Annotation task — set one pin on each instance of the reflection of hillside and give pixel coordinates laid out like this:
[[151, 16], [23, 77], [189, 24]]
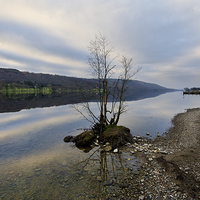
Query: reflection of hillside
[[139, 95], [31, 101], [21, 102]]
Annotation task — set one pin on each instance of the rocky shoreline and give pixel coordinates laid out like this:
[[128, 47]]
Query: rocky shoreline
[[169, 165]]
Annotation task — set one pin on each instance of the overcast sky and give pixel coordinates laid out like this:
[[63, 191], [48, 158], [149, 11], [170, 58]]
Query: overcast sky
[[52, 36]]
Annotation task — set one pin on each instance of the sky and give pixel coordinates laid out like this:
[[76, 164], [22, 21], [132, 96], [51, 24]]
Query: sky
[[52, 36]]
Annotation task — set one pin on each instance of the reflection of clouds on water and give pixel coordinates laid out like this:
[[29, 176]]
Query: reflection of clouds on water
[[61, 153], [9, 118], [33, 136], [30, 121]]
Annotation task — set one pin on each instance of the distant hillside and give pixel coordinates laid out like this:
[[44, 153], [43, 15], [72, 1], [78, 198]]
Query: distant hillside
[[9, 76], [13, 75]]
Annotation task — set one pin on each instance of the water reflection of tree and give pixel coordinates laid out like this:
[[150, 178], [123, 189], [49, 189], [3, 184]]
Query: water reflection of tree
[[111, 167]]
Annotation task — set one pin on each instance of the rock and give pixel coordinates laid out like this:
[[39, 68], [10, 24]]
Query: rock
[[141, 197], [164, 152], [80, 173], [108, 183], [38, 169], [116, 136], [99, 178], [68, 139], [115, 150], [64, 163], [84, 139], [108, 148], [92, 173], [147, 133]]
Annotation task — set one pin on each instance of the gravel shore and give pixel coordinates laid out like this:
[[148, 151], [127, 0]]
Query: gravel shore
[[169, 165]]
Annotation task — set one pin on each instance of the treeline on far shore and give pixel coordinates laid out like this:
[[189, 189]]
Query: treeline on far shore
[[29, 87], [193, 90]]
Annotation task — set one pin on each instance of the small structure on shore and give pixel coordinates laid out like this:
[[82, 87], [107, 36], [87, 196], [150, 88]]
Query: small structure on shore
[[193, 90]]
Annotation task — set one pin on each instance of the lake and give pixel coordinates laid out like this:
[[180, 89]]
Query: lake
[[35, 163]]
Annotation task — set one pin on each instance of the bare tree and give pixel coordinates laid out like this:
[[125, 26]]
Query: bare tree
[[108, 88]]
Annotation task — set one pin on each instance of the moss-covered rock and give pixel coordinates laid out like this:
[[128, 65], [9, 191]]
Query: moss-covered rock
[[116, 136], [84, 139]]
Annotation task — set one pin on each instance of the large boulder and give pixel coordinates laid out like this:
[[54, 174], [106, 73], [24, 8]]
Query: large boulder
[[116, 136]]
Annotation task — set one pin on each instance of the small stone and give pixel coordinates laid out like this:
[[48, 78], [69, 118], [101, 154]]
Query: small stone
[[108, 148], [64, 163], [150, 159], [68, 139], [80, 173], [153, 156], [99, 178], [92, 173], [164, 152], [107, 183], [38, 169], [115, 151], [147, 133], [129, 158], [141, 197]]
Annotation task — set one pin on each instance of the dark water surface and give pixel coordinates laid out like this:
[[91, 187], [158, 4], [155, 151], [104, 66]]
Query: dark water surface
[[35, 163]]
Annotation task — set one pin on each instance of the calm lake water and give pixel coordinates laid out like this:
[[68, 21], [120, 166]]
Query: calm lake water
[[35, 163]]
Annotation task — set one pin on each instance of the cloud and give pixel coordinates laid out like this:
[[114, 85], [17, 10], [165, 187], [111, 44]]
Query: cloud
[[160, 36], [38, 39]]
